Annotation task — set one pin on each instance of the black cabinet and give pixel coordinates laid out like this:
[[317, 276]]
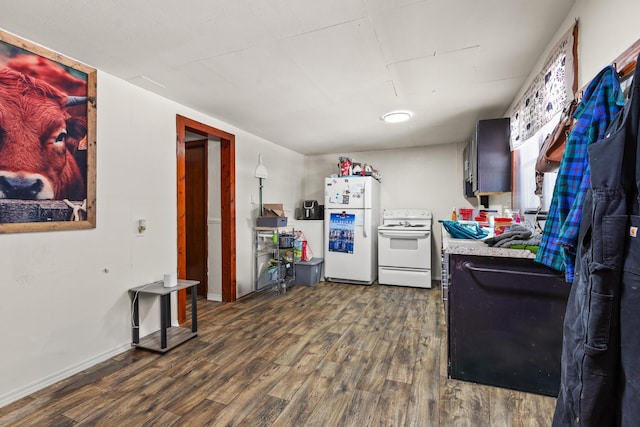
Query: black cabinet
[[505, 319], [490, 157], [467, 182]]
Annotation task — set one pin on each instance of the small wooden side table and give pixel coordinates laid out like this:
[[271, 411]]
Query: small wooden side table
[[167, 337]]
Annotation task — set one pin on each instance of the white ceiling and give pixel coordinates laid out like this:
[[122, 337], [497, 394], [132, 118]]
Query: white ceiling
[[311, 75]]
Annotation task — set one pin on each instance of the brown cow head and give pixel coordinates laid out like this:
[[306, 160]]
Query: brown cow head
[[43, 69], [35, 162]]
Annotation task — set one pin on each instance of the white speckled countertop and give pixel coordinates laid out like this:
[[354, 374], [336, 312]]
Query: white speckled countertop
[[479, 248]]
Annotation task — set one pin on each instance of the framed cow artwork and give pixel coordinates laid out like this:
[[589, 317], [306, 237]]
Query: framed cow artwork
[[47, 139]]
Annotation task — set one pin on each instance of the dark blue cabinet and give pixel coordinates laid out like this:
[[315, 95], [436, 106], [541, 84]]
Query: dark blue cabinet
[[490, 157]]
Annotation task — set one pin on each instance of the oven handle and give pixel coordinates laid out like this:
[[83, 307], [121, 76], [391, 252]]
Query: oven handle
[[471, 267], [405, 234]]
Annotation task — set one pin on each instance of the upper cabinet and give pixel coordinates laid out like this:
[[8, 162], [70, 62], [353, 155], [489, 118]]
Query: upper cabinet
[[487, 162], [467, 183]]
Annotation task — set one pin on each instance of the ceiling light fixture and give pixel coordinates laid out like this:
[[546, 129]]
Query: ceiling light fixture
[[396, 116]]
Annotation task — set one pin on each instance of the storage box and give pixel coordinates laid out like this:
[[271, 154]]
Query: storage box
[[272, 216], [271, 221], [273, 209], [308, 272]]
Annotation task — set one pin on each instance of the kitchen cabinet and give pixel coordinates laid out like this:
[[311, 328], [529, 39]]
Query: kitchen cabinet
[[467, 182], [505, 318], [274, 258], [488, 165]]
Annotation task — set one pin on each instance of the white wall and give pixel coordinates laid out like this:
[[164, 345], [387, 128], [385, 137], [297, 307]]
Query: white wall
[[421, 178], [284, 185], [60, 309], [606, 29]]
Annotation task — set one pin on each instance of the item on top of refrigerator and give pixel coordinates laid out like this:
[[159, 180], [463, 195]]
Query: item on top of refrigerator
[[370, 171], [454, 215], [345, 165], [357, 169]]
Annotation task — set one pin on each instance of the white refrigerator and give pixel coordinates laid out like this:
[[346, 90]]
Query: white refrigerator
[[351, 218]]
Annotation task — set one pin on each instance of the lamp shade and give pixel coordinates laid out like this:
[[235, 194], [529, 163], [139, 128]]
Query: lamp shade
[[261, 170]]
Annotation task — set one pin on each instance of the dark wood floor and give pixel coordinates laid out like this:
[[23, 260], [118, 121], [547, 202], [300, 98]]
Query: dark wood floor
[[326, 355]]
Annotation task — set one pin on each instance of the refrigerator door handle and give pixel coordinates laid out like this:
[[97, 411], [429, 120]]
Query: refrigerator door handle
[[364, 205]]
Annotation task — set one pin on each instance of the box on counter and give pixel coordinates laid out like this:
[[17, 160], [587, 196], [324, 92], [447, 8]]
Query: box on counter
[[272, 216], [273, 210]]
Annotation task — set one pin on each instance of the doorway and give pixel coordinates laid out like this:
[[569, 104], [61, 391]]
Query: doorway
[[196, 212], [227, 206]]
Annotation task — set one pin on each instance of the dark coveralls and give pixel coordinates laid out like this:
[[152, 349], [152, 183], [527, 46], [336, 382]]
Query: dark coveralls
[[600, 380]]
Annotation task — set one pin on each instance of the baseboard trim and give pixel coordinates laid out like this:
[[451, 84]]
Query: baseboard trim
[[24, 391], [214, 297]]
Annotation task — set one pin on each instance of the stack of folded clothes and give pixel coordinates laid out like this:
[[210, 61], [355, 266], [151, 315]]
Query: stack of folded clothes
[[517, 237]]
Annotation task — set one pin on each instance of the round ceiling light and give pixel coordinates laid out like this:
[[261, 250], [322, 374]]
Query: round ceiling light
[[396, 116]]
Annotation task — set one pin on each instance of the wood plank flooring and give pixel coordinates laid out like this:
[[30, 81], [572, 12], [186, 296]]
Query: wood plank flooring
[[324, 355]]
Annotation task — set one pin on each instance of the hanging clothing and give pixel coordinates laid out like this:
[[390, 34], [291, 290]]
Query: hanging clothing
[[601, 101], [600, 367]]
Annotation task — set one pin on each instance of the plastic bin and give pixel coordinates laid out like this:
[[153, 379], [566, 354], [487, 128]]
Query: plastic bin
[[308, 272], [466, 214], [271, 221]]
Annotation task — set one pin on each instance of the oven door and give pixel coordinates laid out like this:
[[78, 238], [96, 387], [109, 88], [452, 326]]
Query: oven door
[[404, 248]]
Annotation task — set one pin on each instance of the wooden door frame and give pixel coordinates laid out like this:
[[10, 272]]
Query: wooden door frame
[[227, 204]]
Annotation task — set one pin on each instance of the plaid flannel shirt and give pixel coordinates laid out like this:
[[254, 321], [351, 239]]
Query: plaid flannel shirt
[[602, 99]]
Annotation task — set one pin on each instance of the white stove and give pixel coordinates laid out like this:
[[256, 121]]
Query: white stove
[[404, 248]]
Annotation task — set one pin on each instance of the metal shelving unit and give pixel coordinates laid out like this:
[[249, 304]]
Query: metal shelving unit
[[274, 264]]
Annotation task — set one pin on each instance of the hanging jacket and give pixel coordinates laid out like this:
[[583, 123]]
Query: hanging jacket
[[600, 368], [601, 101]]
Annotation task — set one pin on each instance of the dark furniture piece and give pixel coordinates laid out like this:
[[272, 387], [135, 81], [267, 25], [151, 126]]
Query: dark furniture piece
[[167, 337], [488, 165], [505, 319]]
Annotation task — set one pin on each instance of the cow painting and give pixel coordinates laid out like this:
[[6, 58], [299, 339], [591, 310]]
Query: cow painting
[[37, 139], [41, 68]]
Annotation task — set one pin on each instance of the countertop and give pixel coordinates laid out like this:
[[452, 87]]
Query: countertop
[[479, 248]]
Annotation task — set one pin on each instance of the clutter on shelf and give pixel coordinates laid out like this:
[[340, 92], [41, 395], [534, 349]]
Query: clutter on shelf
[[350, 168], [272, 216]]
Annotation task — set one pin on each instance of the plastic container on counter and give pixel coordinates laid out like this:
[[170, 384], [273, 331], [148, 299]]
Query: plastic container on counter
[[466, 214], [501, 225]]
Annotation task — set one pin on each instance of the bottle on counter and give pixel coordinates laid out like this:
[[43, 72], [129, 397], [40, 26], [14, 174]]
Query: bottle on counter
[[454, 215]]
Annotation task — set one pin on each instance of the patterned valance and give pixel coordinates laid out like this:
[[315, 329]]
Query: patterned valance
[[549, 91]]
